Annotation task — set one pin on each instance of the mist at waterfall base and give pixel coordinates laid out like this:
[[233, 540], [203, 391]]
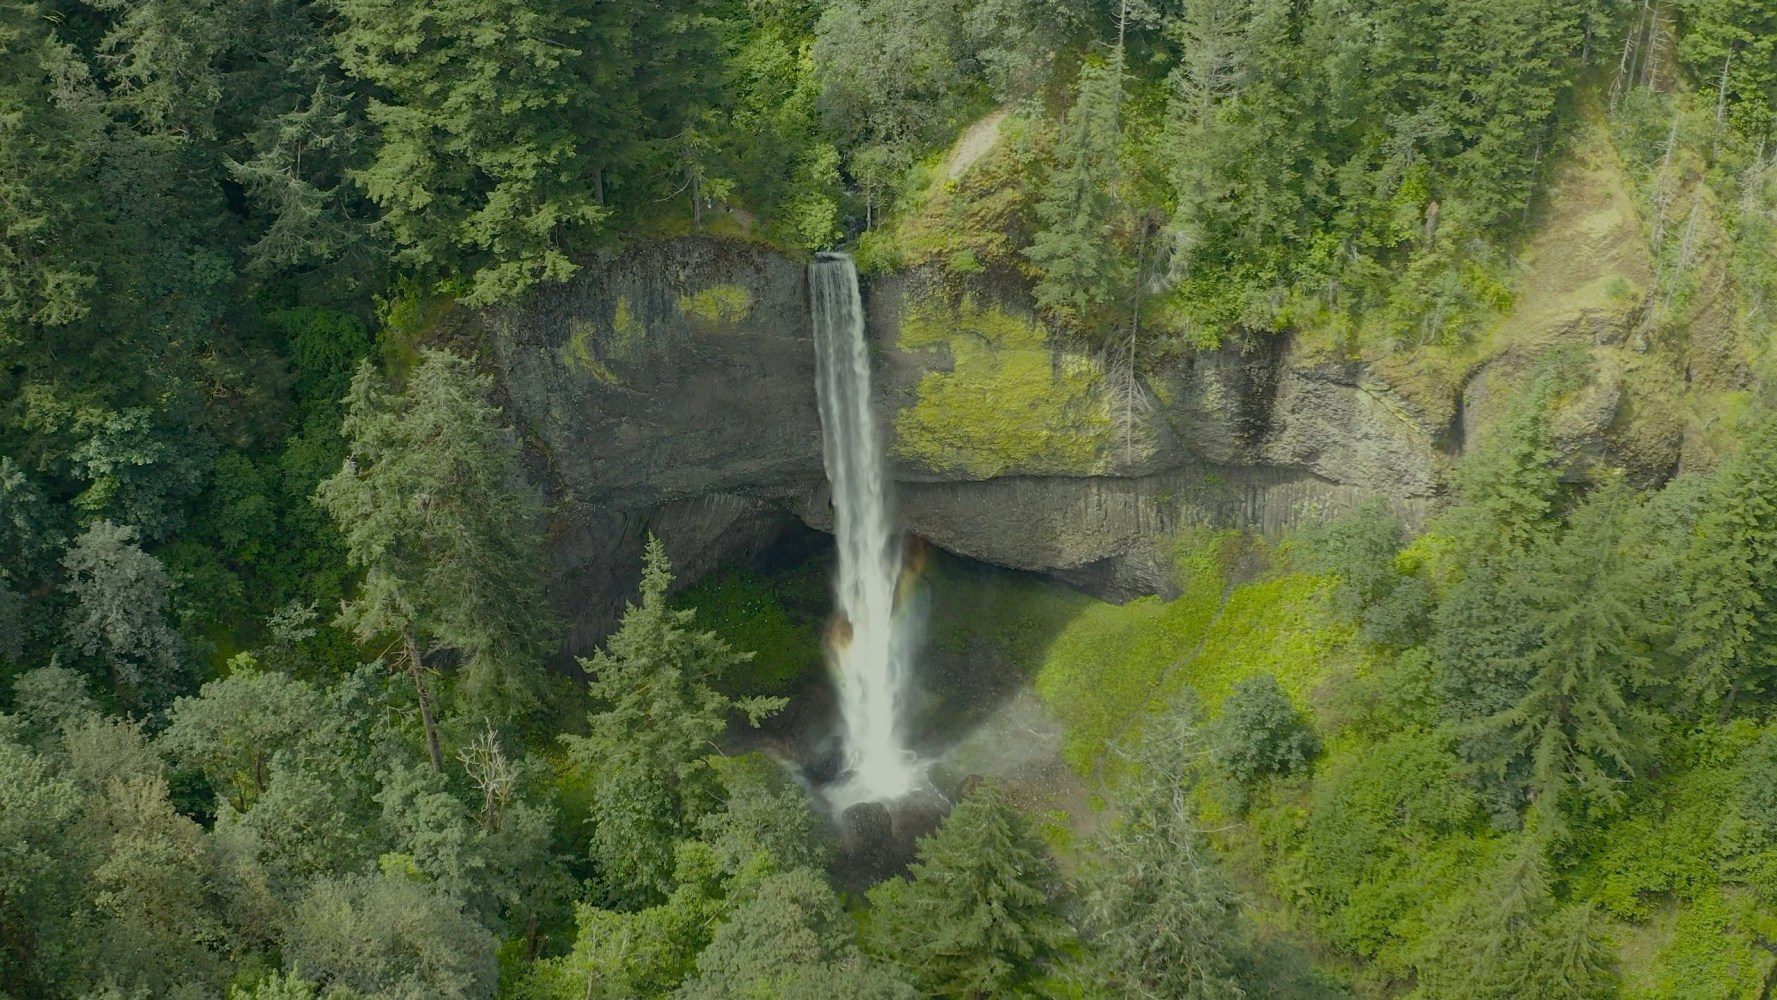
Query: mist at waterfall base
[[874, 636]]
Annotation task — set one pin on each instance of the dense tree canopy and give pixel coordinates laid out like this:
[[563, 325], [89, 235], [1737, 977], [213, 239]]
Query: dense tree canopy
[[283, 714]]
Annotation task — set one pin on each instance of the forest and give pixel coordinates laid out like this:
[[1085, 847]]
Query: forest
[[291, 706]]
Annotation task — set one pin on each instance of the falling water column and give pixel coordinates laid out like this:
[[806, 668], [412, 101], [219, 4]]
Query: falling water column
[[867, 661]]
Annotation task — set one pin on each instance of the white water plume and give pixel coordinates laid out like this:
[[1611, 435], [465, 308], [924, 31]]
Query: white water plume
[[866, 651]]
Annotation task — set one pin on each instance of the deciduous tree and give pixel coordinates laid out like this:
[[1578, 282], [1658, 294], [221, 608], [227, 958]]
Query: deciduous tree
[[119, 614]]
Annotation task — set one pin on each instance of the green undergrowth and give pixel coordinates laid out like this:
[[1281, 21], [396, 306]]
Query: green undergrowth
[[1111, 663], [1690, 885], [1678, 838], [1376, 852], [965, 224], [1095, 665], [1105, 666], [1276, 626], [1099, 666], [1372, 850], [1716, 948], [766, 616]]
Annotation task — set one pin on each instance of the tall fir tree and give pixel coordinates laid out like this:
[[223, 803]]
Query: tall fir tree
[[792, 940], [979, 917], [1508, 939], [479, 165], [1581, 723], [1163, 917], [1082, 269], [656, 718], [434, 511], [1728, 632]]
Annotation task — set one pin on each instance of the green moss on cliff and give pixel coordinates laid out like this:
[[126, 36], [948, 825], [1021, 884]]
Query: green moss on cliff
[[717, 306], [592, 349], [1011, 403], [579, 352], [627, 331]]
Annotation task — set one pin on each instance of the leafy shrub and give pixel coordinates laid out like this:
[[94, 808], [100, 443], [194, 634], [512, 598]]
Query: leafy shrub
[[1758, 789], [1260, 734]]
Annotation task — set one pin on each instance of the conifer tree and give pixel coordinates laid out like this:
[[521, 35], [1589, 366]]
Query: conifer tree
[[978, 918], [432, 509], [1513, 478], [1577, 723], [1501, 921], [1570, 958], [791, 941], [1076, 251], [478, 167], [45, 146], [656, 718], [1728, 634], [1164, 920], [1508, 940]]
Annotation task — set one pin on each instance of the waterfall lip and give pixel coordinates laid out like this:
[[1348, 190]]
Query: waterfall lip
[[831, 255]]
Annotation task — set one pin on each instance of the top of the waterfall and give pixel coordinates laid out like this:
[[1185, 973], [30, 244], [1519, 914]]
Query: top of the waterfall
[[831, 255]]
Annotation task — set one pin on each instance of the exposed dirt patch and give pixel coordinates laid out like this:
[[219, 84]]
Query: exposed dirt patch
[[1587, 267], [976, 140]]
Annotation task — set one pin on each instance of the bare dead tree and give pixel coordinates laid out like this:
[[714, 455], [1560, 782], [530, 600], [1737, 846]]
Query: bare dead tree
[[1536, 162], [1663, 186], [1128, 400], [1658, 33], [1624, 79], [1721, 100], [416, 669], [1752, 187], [1687, 246], [492, 774]]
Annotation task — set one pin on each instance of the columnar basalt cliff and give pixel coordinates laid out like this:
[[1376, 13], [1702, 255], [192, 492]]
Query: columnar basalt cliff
[[671, 389]]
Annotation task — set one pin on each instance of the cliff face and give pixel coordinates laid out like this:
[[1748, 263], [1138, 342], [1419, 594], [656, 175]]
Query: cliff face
[[671, 389], [1012, 448]]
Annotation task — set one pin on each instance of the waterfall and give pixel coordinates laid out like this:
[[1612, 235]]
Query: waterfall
[[866, 656]]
